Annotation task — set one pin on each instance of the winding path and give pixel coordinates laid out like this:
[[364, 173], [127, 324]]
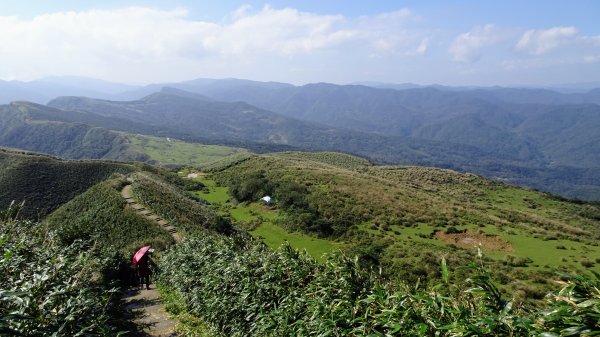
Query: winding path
[[148, 311]]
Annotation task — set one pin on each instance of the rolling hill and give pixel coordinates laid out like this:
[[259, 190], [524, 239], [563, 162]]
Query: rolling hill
[[34, 127], [406, 218], [45, 183]]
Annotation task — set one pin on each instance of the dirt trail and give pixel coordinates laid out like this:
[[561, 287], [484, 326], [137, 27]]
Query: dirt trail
[[145, 306]]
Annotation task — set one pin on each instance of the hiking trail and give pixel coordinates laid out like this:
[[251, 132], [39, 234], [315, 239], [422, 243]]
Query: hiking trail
[[148, 311]]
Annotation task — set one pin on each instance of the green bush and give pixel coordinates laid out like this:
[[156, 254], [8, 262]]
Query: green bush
[[100, 215]]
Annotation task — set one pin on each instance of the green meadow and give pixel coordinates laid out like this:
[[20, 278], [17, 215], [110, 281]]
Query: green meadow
[[173, 151]]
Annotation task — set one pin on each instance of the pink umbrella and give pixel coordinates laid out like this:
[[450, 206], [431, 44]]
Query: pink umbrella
[[139, 254]]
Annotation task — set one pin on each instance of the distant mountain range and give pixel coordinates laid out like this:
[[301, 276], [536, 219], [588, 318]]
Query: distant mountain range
[[536, 137]]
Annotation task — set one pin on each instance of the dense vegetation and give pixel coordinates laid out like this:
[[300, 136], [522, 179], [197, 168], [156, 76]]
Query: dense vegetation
[[60, 273], [49, 289], [241, 288], [45, 183]]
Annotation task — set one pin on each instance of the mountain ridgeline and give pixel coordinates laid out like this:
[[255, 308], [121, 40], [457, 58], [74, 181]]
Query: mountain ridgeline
[[533, 137], [35, 127], [533, 143]]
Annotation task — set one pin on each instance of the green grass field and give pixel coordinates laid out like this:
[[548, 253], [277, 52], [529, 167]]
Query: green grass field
[[551, 253], [272, 235], [173, 151]]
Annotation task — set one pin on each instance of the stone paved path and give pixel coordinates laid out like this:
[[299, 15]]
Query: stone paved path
[[141, 210], [151, 318]]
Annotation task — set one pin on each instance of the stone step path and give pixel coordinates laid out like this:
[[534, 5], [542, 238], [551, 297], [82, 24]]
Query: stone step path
[[141, 210], [148, 311]]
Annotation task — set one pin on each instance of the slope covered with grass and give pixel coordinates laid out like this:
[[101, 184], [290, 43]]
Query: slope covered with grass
[[45, 183], [100, 215], [407, 218], [238, 287], [176, 206], [167, 150]]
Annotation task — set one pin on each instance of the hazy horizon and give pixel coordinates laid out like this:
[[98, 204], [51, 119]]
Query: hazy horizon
[[466, 43]]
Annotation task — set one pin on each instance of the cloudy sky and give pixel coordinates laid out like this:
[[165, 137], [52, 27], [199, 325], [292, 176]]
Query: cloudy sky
[[448, 42]]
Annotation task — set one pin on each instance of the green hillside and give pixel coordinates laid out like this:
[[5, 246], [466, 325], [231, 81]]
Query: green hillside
[[220, 281], [166, 150], [45, 183], [407, 218], [100, 215]]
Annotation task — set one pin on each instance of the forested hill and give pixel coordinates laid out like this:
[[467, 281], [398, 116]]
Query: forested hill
[[34, 127], [498, 119]]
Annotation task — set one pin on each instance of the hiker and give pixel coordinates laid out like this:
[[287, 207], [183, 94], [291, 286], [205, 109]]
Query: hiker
[[141, 261], [144, 270]]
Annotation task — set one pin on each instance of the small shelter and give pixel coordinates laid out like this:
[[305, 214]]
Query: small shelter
[[267, 200]]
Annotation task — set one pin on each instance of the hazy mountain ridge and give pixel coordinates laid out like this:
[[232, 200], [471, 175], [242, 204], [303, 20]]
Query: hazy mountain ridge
[[187, 117]]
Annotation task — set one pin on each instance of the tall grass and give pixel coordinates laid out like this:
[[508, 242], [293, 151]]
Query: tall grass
[[241, 288], [47, 289]]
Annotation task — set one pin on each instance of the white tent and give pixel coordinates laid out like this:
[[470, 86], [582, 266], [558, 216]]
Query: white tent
[[266, 199]]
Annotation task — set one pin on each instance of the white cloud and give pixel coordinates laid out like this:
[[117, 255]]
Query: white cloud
[[591, 59], [542, 41], [422, 47], [467, 46], [149, 44]]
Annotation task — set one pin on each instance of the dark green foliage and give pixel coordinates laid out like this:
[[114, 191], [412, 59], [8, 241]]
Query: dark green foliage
[[45, 183], [49, 289], [241, 288], [99, 215], [176, 206], [303, 212], [250, 186]]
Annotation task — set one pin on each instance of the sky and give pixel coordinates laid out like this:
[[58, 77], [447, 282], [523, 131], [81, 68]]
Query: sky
[[509, 43]]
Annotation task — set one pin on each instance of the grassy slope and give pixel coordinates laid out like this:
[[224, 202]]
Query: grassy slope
[[175, 205], [173, 151], [397, 208], [101, 215], [45, 183]]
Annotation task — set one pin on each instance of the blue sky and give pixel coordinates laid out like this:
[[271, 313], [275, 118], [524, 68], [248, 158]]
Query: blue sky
[[447, 42]]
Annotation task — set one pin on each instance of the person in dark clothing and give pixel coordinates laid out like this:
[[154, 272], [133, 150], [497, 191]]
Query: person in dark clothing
[[144, 271]]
